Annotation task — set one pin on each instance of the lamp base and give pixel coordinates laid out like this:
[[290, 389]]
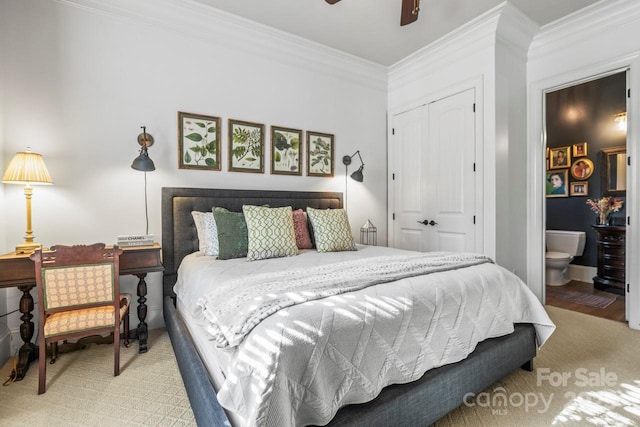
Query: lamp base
[[27, 247]]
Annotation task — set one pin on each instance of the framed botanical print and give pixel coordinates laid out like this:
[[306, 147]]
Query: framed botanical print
[[246, 146], [286, 151], [580, 149], [580, 188], [319, 154], [557, 183], [559, 157], [198, 141]]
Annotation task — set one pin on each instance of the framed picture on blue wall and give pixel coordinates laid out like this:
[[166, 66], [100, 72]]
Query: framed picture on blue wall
[[557, 183], [559, 157], [580, 188]]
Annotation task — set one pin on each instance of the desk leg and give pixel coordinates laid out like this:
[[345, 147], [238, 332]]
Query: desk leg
[[142, 329], [29, 351]]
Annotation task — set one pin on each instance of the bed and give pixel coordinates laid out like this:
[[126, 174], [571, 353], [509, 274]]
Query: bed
[[418, 402]]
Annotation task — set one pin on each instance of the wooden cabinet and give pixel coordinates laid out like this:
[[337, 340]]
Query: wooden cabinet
[[611, 253]]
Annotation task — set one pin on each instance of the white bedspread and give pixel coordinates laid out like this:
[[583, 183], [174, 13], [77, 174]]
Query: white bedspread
[[301, 364]]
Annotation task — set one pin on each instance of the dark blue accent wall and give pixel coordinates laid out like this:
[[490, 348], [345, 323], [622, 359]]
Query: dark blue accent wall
[[585, 113]]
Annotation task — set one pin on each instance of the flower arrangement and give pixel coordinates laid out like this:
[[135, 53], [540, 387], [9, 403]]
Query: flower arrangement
[[604, 207]]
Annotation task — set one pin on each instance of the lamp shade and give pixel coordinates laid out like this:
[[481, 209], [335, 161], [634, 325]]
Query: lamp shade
[[357, 175], [27, 168], [143, 162]]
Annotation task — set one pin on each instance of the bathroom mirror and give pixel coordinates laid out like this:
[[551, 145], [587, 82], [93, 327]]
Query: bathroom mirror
[[614, 171]]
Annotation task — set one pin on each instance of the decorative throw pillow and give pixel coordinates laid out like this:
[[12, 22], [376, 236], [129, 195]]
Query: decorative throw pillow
[[301, 230], [271, 233], [232, 233], [207, 232], [331, 230]]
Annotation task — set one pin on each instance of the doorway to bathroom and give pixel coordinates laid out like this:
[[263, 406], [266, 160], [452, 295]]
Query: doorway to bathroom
[[585, 129]]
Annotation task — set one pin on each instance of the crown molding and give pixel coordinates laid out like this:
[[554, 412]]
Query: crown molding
[[597, 19], [466, 40], [515, 29], [199, 21]]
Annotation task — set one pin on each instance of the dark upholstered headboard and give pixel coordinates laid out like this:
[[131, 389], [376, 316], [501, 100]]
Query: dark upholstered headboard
[[179, 236]]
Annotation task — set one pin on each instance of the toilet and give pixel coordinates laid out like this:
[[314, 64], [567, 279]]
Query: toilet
[[562, 247]]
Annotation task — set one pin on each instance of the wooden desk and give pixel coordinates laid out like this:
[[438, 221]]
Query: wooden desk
[[17, 270]]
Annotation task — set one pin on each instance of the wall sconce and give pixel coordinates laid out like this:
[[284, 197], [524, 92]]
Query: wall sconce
[[621, 121], [144, 164], [369, 234], [27, 168], [356, 176]]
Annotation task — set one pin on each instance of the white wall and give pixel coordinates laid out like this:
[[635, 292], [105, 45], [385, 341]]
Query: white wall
[[82, 76], [600, 39]]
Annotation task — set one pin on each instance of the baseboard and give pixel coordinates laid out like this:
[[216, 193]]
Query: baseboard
[[582, 273], [5, 345]]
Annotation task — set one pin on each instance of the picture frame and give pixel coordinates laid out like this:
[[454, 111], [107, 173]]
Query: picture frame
[[557, 184], [559, 157], [246, 146], [320, 158], [582, 168], [580, 188], [198, 142], [580, 149], [286, 151]]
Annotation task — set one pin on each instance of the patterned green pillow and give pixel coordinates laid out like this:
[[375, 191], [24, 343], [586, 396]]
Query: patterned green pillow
[[270, 231], [331, 230], [232, 233]]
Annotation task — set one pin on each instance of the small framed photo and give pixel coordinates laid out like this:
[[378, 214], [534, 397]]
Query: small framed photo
[[557, 183], [580, 149], [246, 146], [579, 188], [559, 157], [286, 151], [319, 154], [581, 168], [198, 141]]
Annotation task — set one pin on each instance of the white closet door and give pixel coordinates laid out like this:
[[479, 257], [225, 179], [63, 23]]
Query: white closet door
[[434, 184]]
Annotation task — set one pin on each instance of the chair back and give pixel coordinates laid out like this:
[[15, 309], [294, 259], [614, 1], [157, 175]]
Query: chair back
[[79, 276]]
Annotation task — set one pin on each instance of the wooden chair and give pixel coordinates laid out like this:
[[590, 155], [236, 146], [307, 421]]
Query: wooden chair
[[79, 296]]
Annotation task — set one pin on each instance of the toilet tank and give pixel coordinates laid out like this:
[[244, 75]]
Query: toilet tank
[[571, 242]]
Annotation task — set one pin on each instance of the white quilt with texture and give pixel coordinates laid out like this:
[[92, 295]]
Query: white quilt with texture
[[301, 364]]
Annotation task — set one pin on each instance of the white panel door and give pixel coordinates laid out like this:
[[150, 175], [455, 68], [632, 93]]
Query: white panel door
[[410, 143], [434, 185]]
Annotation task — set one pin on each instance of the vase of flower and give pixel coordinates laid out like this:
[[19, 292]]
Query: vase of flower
[[604, 207]]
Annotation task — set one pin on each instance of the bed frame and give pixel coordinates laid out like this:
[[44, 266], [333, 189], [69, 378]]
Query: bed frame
[[421, 402]]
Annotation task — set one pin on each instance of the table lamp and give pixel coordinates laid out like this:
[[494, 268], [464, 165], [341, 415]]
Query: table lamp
[[28, 169]]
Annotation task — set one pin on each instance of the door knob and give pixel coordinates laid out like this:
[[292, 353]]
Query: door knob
[[427, 222]]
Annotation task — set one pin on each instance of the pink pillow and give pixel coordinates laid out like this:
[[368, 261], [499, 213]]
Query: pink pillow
[[303, 240]]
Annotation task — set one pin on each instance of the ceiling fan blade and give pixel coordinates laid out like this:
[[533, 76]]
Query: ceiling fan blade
[[410, 9], [332, 1]]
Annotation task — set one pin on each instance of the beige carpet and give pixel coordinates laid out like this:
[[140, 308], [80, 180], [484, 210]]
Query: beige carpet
[[587, 374], [82, 391], [599, 358]]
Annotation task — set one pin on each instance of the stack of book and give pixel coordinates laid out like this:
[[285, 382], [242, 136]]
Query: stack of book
[[135, 240]]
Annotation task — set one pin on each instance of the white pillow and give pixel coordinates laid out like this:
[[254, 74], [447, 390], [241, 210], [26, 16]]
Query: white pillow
[[331, 230], [207, 232]]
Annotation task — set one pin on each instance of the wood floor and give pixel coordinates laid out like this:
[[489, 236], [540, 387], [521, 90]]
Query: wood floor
[[615, 311]]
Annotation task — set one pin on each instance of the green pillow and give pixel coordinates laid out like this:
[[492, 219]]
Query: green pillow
[[270, 231], [232, 233], [331, 230]]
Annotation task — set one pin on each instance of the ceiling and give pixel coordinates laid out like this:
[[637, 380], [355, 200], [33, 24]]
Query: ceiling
[[371, 29]]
